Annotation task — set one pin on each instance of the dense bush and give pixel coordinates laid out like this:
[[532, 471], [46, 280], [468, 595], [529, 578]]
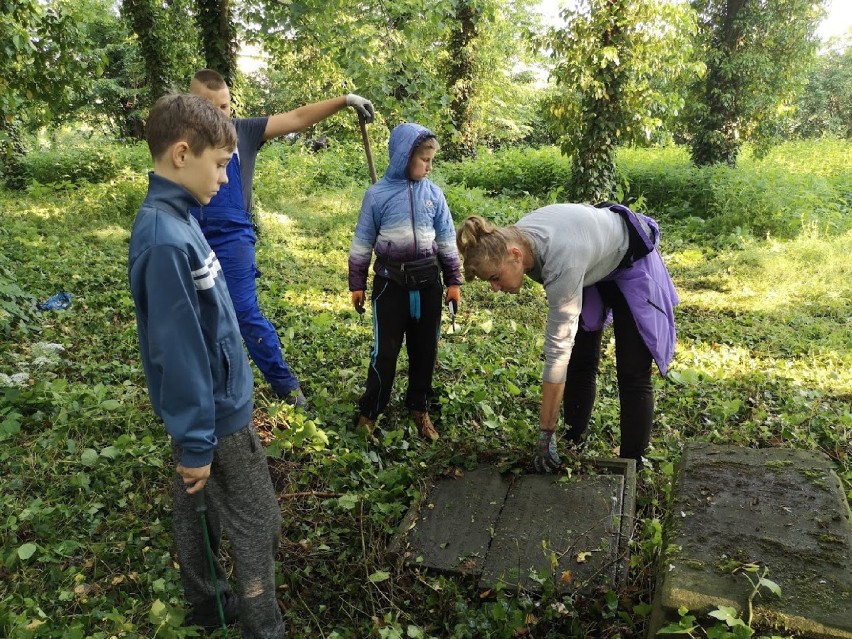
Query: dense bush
[[803, 185], [74, 165], [93, 162], [513, 171], [293, 169], [796, 186]]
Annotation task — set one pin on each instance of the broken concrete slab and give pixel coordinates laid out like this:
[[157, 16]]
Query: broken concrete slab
[[550, 529], [452, 529], [779, 508], [521, 530]]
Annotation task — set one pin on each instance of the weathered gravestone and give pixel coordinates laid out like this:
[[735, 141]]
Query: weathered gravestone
[[520, 530], [778, 508]]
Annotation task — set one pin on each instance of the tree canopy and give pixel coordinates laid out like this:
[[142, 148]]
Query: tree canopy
[[710, 73]]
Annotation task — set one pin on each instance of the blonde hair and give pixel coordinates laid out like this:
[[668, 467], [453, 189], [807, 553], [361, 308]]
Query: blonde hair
[[484, 247], [429, 143]]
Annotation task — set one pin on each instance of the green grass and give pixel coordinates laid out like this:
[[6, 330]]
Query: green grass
[[764, 359]]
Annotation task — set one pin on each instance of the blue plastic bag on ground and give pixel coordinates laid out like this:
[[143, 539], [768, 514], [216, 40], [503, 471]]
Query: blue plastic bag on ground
[[58, 302]]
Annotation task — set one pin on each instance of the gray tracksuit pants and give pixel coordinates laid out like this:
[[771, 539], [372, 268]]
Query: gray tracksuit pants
[[241, 502]]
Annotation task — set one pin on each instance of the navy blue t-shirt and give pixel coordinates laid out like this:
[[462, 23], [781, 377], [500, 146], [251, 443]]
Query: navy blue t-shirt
[[249, 141]]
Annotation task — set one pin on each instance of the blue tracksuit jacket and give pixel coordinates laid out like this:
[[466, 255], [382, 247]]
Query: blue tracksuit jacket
[[198, 374]]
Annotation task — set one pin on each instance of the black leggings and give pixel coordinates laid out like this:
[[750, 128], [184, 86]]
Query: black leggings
[[398, 314], [633, 370]]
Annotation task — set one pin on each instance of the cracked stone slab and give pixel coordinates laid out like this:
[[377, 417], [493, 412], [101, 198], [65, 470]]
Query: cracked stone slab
[[779, 508], [452, 528], [553, 529], [520, 530]]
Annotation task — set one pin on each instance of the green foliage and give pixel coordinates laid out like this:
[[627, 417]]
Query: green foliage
[[70, 165], [46, 58], [825, 106], [85, 542], [513, 171], [218, 35], [168, 43], [620, 66], [17, 307], [729, 624], [800, 186], [757, 57], [398, 55]]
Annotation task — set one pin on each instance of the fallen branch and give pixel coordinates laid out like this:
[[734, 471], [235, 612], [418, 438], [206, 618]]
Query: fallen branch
[[310, 493]]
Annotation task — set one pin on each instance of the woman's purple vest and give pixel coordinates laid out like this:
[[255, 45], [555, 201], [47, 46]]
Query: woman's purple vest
[[647, 287]]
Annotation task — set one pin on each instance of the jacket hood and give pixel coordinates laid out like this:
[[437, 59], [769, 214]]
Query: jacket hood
[[403, 140]]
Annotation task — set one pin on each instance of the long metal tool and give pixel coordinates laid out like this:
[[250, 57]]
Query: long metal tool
[[362, 122], [201, 509], [451, 310]]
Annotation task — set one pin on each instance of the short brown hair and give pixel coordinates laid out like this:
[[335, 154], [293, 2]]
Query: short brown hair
[[182, 116], [210, 79]]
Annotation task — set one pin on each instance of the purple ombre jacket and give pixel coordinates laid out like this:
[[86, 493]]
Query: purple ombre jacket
[[649, 291], [403, 220]]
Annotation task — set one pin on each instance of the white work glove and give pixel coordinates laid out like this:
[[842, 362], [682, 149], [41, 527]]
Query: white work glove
[[362, 105]]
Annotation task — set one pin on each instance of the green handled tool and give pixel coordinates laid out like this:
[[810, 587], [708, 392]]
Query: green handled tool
[[201, 509]]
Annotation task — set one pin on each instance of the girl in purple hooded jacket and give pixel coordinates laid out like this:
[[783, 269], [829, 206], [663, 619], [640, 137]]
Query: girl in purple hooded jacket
[[594, 263], [406, 223]]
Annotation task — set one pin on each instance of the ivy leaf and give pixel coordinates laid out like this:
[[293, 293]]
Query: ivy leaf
[[89, 457], [157, 612], [771, 585], [379, 576], [26, 551], [348, 501]]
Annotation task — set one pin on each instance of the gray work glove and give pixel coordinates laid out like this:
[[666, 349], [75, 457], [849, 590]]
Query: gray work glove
[[362, 105], [546, 460]]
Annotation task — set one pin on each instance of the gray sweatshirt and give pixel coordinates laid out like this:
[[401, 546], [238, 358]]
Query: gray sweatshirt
[[574, 246]]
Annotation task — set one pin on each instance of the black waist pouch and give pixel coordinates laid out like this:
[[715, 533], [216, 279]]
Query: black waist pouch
[[412, 275]]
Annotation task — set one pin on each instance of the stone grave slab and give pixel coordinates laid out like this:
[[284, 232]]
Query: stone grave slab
[[498, 528], [451, 532], [568, 532], [780, 508]]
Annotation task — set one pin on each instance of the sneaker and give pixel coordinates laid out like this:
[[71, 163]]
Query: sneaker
[[206, 616], [424, 425]]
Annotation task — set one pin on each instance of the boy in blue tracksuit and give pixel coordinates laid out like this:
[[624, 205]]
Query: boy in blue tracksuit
[[198, 375], [405, 220]]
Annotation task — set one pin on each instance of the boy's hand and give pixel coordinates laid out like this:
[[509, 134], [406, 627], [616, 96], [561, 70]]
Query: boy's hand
[[362, 105], [454, 294], [194, 478], [358, 301]]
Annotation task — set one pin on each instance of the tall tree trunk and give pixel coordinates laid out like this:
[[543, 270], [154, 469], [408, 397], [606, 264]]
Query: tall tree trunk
[[716, 139], [12, 151], [142, 17], [218, 37], [460, 80], [593, 164]]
